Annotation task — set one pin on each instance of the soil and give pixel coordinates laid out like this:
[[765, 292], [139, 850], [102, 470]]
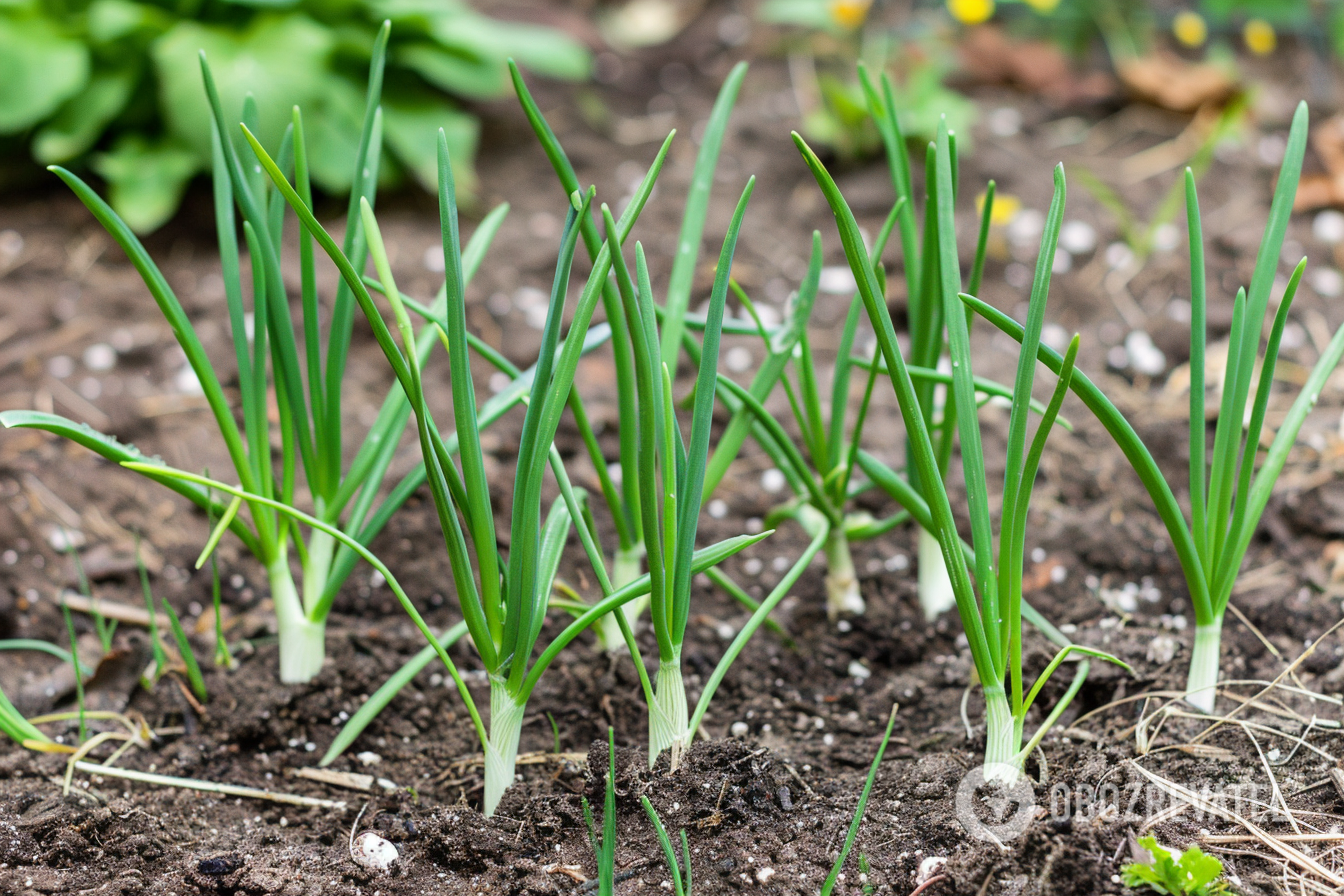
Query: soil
[[766, 810]]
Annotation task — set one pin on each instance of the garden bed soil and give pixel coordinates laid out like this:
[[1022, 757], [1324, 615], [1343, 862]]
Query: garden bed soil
[[766, 811]]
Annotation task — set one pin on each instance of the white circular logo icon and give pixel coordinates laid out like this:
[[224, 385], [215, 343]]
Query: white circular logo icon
[[992, 810]]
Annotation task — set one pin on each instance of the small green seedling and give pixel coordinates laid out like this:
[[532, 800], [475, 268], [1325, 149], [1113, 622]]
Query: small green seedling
[[604, 848], [679, 869], [853, 834], [1191, 873], [1228, 494]]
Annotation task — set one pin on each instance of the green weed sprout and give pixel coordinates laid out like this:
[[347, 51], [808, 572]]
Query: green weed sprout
[[622, 496], [679, 869], [1228, 495], [308, 392], [604, 848], [505, 606], [829, 884], [1191, 873], [993, 617]]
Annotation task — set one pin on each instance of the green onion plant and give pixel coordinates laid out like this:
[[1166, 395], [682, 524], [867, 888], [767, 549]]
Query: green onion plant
[[503, 602], [920, 251], [678, 868], [604, 847], [622, 495], [1227, 493], [990, 604]]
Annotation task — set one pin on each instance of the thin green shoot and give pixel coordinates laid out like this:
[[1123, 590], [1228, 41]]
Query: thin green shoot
[[379, 700], [1229, 494], [155, 637], [678, 868], [992, 617], [223, 655], [555, 734], [671, 471], [604, 847], [79, 679], [853, 834], [194, 676], [621, 496]]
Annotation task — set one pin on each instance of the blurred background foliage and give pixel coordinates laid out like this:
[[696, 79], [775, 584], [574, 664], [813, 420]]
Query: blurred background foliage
[[115, 85]]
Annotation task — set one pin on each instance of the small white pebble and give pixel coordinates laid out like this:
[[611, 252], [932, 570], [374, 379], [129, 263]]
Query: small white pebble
[[61, 366], [718, 508], [1005, 121], [1327, 282], [930, 867], [1026, 227], [1077, 237], [858, 670], [1143, 356], [896, 563], [372, 853], [772, 480], [1063, 262], [1118, 255], [737, 359], [1167, 237], [764, 874], [1328, 226], [1038, 555], [100, 356], [434, 260], [752, 566], [739, 729], [837, 280]]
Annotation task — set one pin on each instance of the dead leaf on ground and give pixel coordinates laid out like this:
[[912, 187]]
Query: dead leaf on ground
[[1322, 190], [989, 56], [1172, 83]]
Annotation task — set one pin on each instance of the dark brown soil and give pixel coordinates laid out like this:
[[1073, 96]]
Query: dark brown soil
[[766, 811]]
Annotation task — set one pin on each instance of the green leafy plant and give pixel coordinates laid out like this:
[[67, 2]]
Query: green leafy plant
[[604, 847], [1228, 494], [1191, 873], [309, 393], [990, 604], [111, 83]]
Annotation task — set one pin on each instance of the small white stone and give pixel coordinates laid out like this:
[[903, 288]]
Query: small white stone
[[1327, 282], [1142, 355], [896, 563], [187, 382], [764, 874], [930, 867], [1025, 227], [1055, 336], [372, 853], [1118, 255], [1077, 237], [387, 784], [368, 757], [737, 359], [739, 729], [772, 480], [1005, 121], [837, 280], [434, 260], [1328, 226], [61, 366], [100, 356], [1166, 238], [1063, 262], [858, 670], [718, 508]]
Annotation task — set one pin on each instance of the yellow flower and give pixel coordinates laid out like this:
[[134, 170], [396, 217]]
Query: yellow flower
[[971, 12], [1006, 207], [850, 13], [1259, 37], [1190, 29], [1044, 7]]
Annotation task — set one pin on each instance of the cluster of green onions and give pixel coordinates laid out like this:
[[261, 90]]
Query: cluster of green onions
[[504, 595]]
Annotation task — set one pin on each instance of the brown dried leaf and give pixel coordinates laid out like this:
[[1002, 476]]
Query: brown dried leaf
[[1172, 83]]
